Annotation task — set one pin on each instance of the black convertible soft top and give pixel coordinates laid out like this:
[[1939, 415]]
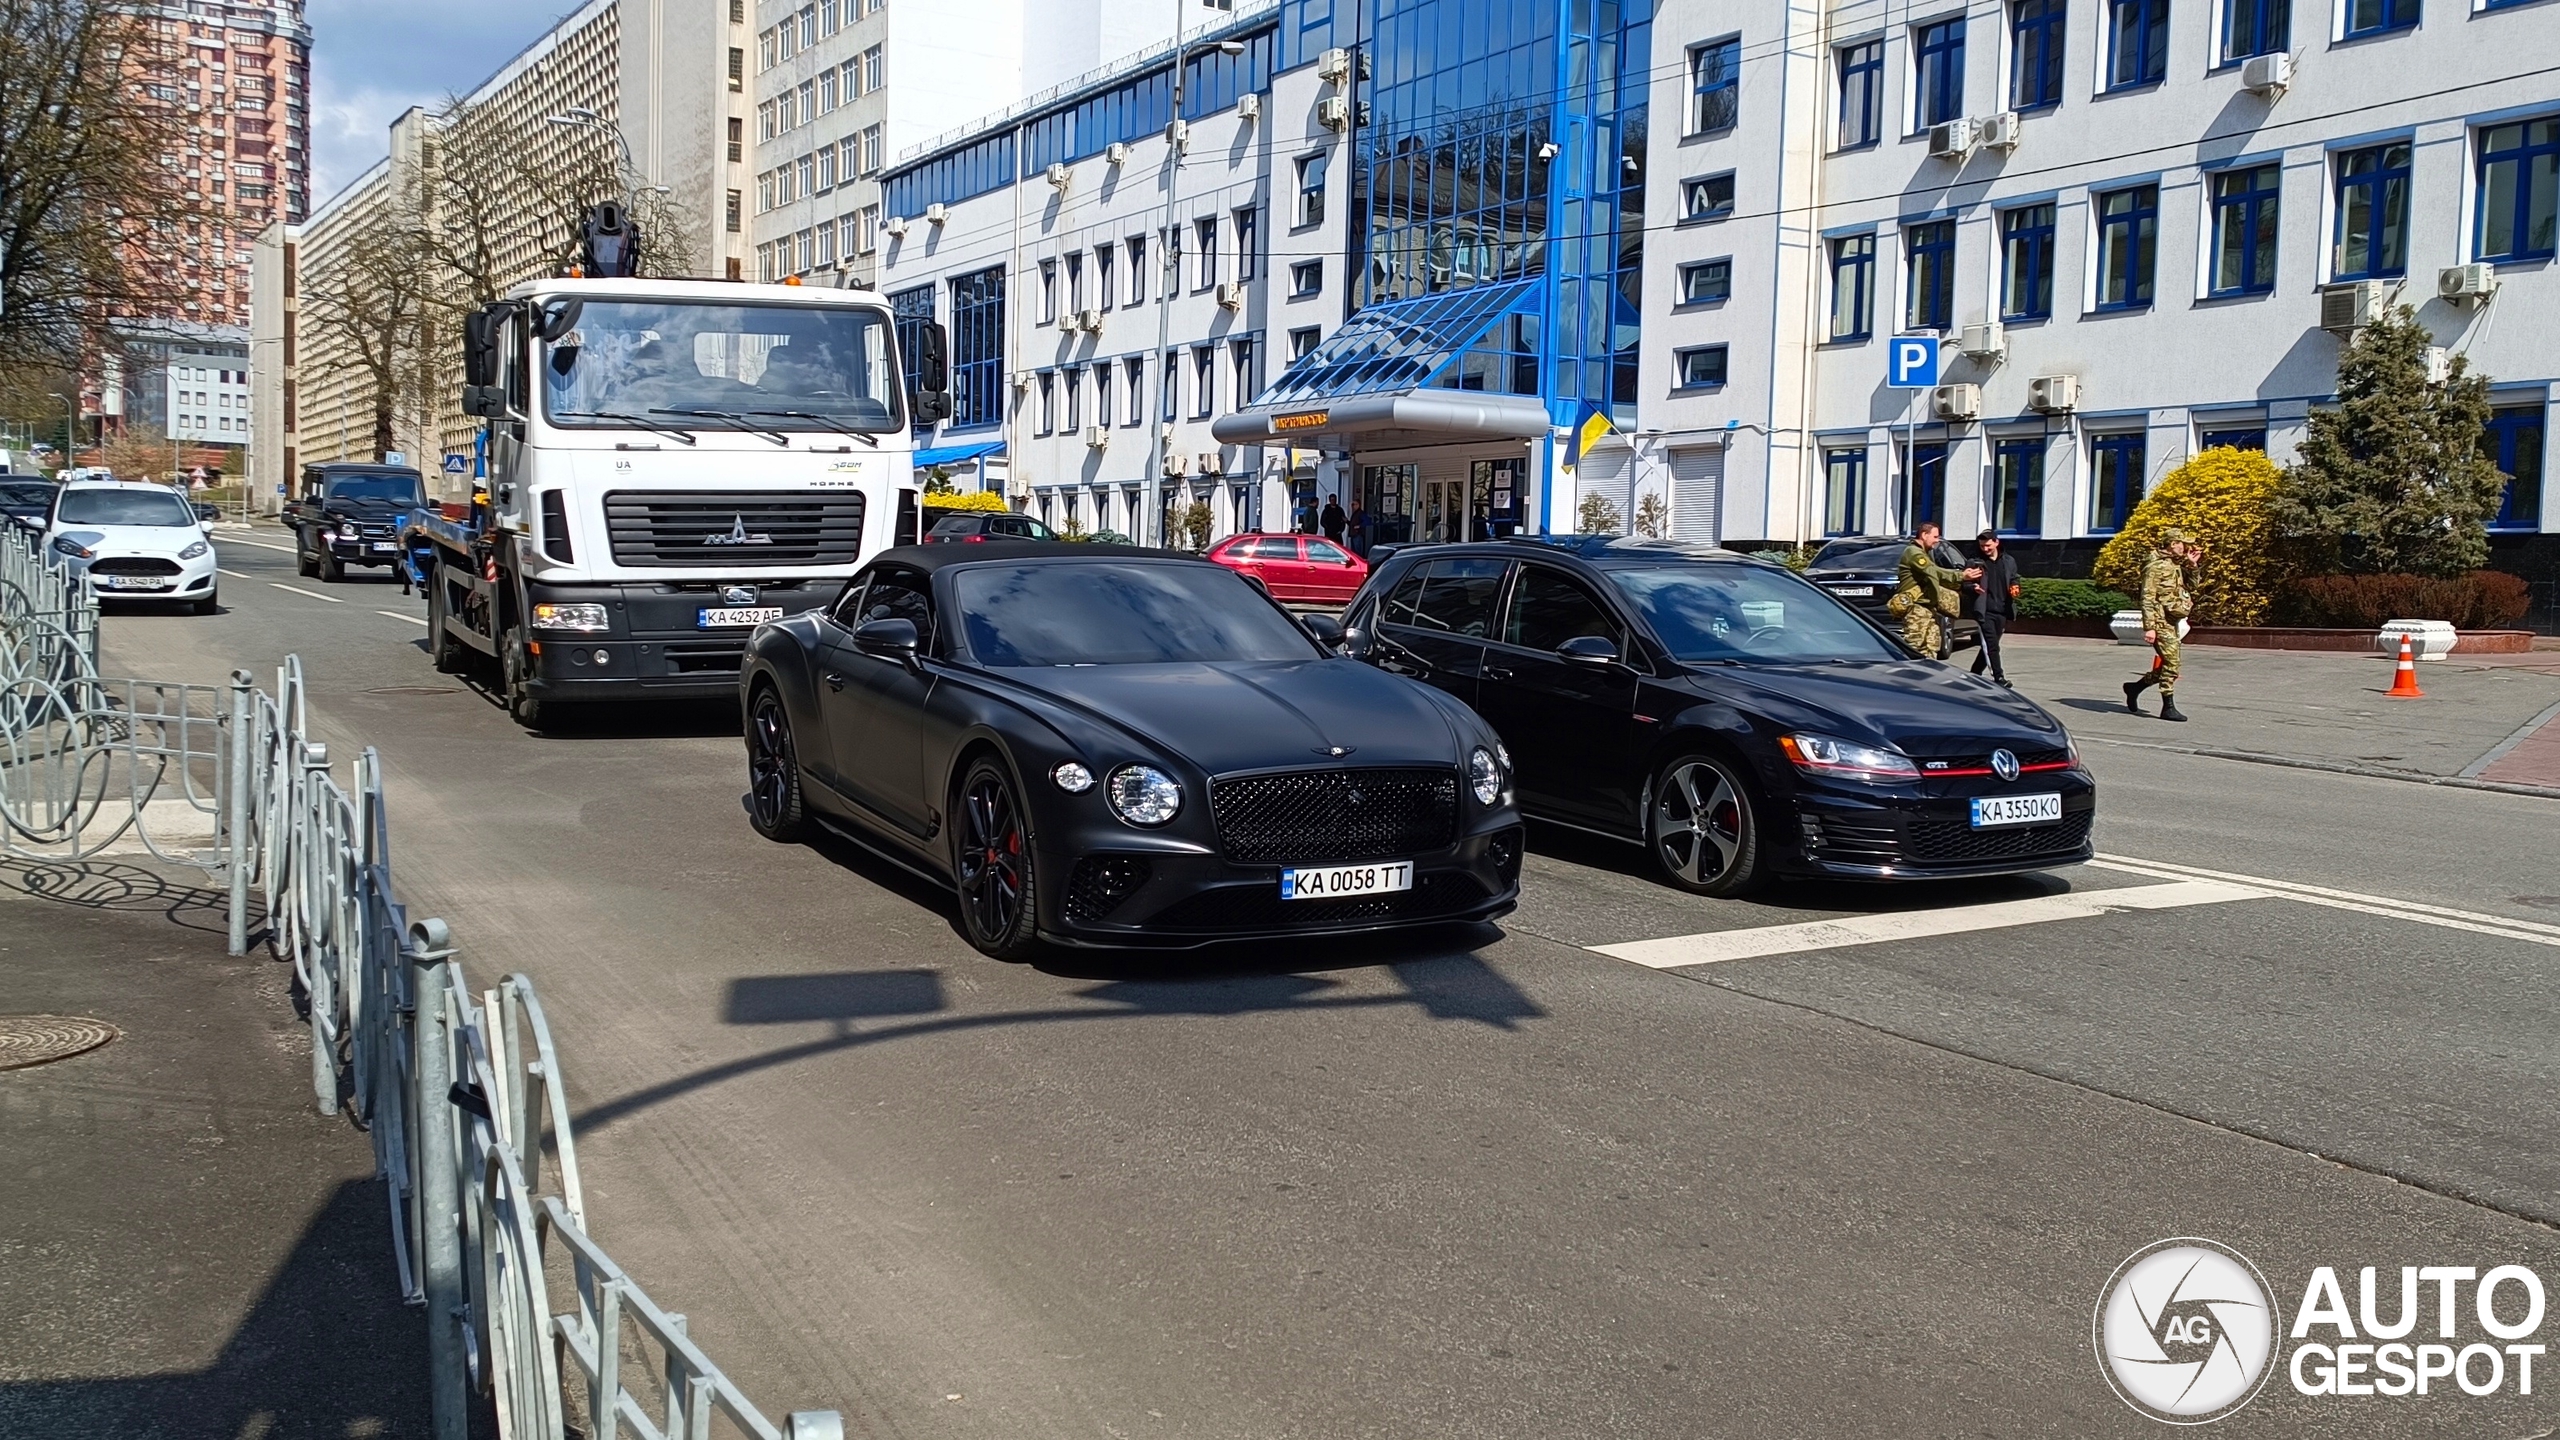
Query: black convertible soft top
[[939, 557]]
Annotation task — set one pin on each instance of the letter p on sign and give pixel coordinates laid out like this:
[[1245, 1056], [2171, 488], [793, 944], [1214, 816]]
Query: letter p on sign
[[1912, 362]]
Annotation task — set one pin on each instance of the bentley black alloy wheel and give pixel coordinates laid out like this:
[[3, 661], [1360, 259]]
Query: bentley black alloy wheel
[[773, 773], [1703, 828], [993, 865]]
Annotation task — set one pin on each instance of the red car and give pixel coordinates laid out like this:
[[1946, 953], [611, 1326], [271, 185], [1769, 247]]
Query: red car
[[1295, 569]]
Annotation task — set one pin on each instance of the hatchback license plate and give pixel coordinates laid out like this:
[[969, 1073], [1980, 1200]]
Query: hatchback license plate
[[1333, 881], [136, 582], [723, 617], [1853, 592], [1990, 810]]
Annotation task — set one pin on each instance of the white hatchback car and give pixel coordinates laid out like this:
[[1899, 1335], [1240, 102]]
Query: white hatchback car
[[135, 540]]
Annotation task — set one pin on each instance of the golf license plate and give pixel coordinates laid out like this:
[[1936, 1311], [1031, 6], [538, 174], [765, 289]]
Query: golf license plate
[[1991, 810], [1852, 592], [1329, 882], [725, 617], [136, 582]]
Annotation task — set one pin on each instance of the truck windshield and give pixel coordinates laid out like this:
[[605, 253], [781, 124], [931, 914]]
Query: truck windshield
[[834, 365], [399, 489]]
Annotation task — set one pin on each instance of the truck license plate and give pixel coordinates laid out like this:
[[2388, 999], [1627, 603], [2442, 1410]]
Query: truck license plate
[[724, 617], [1331, 881], [1990, 810]]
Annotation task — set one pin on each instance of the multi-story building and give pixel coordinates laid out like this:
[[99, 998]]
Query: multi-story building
[[207, 396], [239, 74]]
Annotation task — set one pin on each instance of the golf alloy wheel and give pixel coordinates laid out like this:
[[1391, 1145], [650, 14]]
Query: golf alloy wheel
[[1703, 828]]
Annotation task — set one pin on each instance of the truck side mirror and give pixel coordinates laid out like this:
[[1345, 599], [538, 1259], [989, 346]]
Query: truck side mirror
[[933, 364], [479, 350]]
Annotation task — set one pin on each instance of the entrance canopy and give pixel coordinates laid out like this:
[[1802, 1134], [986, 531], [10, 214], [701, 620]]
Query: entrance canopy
[[1458, 365]]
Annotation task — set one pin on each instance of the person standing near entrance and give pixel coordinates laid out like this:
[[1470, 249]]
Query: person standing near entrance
[[1995, 604], [1925, 590], [1357, 536], [2164, 603], [1333, 519]]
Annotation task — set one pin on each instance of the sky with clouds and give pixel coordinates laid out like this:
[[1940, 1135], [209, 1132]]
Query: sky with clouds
[[372, 59]]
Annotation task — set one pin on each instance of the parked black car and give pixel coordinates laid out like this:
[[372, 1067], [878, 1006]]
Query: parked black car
[[1860, 569], [1099, 745], [1735, 720], [349, 514], [977, 527], [26, 500]]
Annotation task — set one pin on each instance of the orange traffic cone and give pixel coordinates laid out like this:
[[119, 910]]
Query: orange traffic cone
[[2404, 685]]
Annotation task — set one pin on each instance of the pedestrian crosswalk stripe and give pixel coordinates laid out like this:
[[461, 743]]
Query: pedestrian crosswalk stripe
[[2475, 922]]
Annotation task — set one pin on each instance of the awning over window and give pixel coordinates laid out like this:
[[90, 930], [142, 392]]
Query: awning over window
[[1463, 363], [958, 454]]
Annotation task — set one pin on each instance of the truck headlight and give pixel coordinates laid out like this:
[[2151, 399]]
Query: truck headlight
[[195, 551], [1484, 776], [1143, 795], [588, 618]]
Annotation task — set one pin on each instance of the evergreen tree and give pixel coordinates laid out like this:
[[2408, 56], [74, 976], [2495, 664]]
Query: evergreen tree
[[2392, 480]]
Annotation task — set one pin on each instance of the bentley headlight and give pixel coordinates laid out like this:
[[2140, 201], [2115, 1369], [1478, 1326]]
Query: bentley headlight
[[1072, 778], [1484, 774], [194, 551], [1143, 795]]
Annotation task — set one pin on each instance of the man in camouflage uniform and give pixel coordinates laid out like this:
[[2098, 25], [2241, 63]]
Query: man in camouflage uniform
[[2164, 604], [1925, 589]]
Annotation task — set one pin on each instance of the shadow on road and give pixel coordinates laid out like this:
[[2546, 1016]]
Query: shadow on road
[[102, 884], [1783, 899]]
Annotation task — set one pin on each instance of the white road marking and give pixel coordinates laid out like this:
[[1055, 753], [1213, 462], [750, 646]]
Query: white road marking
[[263, 545], [234, 574], [2533, 932], [396, 615], [314, 594], [1715, 947]]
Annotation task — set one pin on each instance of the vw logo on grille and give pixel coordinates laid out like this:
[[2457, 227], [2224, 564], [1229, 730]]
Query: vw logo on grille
[[2004, 764], [737, 594]]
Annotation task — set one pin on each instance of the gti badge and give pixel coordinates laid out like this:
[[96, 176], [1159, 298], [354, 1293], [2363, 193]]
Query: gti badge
[[738, 534], [2004, 764], [737, 594]]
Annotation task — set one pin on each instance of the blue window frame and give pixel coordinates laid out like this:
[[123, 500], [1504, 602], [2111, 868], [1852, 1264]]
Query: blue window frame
[[1861, 94], [1853, 287], [2373, 213], [1715, 82], [2026, 263], [1709, 197], [1937, 57], [1706, 282], [2255, 27], [1921, 488], [2519, 190], [2375, 17], [1929, 275], [2244, 230], [2115, 480], [910, 311], [2036, 29], [977, 348], [2514, 444], [1701, 368], [2137, 43], [2017, 487], [1844, 491], [2253, 437], [2128, 247]]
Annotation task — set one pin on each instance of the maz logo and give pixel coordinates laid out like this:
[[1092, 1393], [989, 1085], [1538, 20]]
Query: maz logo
[[738, 534]]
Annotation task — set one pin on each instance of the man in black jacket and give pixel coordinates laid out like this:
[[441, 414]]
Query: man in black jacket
[[1996, 602]]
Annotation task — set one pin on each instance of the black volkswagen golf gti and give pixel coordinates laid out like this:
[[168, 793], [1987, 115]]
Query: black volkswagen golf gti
[[1100, 745], [1733, 719]]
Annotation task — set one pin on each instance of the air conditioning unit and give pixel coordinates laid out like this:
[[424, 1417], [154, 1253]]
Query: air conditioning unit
[[895, 227], [2266, 75], [1249, 106], [2351, 306], [1115, 154], [1211, 462], [1953, 139], [1231, 294], [1983, 342], [1333, 66], [1956, 402], [1097, 436], [1176, 464], [2053, 394], [2467, 284], [1164, 432], [2439, 365], [1333, 112], [2002, 132], [1060, 177], [1178, 135], [1021, 382], [1089, 321], [936, 213], [1070, 321]]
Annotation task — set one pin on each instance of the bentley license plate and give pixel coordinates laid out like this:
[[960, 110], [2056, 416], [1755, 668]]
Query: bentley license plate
[[1990, 810], [1333, 881], [724, 617]]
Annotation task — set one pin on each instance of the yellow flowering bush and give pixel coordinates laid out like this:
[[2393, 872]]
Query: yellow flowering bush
[[2225, 498], [974, 500]]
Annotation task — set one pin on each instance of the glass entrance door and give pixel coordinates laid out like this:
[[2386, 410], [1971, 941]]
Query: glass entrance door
[[1443, 514]]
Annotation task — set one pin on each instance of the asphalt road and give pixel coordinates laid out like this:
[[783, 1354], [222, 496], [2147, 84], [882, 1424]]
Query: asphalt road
[[1491, 1182]]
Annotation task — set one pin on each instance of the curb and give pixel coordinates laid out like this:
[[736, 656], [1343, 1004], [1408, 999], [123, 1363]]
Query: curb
[[2334, 767]]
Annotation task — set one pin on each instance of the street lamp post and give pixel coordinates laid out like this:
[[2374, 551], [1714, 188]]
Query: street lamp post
[[70, 420], [1168, 255]]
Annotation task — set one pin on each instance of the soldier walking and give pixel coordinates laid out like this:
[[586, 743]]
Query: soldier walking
[[1925, 590], [2164, 604]]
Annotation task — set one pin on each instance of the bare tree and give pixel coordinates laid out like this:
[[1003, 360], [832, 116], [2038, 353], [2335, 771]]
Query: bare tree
[[505, 198], [375, 292]]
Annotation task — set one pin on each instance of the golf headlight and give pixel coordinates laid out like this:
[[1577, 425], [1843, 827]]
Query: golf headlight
[[1143, 795], [570, 617], [1484, 775], [194, 551], [1824, 755], [65, 545]]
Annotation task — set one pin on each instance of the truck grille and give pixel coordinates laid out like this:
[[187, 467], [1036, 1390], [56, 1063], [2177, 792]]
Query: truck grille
[[733, 530], [1318, 815]]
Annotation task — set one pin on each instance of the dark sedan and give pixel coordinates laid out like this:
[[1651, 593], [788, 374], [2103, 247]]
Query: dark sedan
[[1097, 745], [1863, 570], [1735, 720], [25, 500]]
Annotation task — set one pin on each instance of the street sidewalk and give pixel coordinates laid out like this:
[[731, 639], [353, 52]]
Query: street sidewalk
[[2492, 718], [190, 1248]]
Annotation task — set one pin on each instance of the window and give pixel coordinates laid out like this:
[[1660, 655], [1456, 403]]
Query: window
[[1137, 269], [871, 62], [827, 20], [737, 138], [1715, 83], [767, 51], [870, 137], [1306, 278], [1071, 386], [2036, 28], [1048, 291], [1102, 392], [1170, 382], [1106, 279], [2026, 263], [2017, 486], [2244, 231], [1929, 275], [808, 102], [1844, 491], [2115, 480], [1449, 597], [1248, 239], [2253, 437], [1853, 287], [1134, 370], [2255, 27], [1303, 342], [729, 212], [807, 166], [1075, 280], [1204, 381], [764, 265], [1048, 388], [1207, 263], [827, 168], [2519, 186], [826, 91], [1702, 368], [1709, 197], [826, 246], [808, 27], [1937, 58], [1245, 358], [1924, 481], [1548, 608], [1311, 189], [2376, 17], [1861, 94], [2373, 213], [1708, 282], [2137, 43], [2128, 247], [764, 192], [765, 121], [737, 69], [2514, 444], [866, 230]]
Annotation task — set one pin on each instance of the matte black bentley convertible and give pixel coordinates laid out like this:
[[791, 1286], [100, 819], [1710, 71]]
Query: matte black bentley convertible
[[1106, 746]]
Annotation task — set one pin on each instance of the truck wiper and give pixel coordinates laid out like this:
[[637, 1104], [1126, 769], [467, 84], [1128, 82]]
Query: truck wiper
[[731, 419], [838, 426], [660, 426]]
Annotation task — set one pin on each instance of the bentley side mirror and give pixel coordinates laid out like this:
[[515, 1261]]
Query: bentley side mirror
[[1588, 650], [1326, 630], [887, 639]]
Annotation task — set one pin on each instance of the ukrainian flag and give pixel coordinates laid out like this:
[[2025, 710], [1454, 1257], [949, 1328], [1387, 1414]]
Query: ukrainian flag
[[1593, 428]]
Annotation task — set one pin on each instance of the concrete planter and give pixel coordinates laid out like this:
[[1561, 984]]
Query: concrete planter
[[2428, 639], [2127, 626]]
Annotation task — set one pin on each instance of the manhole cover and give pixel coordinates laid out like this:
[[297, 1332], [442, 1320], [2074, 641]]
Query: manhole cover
[[413, 690], [37, 1039]]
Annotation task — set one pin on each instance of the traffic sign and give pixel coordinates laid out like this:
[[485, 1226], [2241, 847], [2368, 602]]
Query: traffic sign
[[457, 464], [1911, 362]]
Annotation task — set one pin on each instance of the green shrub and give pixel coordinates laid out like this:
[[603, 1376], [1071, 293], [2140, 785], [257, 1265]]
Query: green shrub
[[2226, 499], [2042, 599], [2481, 600]]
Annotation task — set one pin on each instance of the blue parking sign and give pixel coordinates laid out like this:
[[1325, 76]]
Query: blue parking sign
[[1911, 363]]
